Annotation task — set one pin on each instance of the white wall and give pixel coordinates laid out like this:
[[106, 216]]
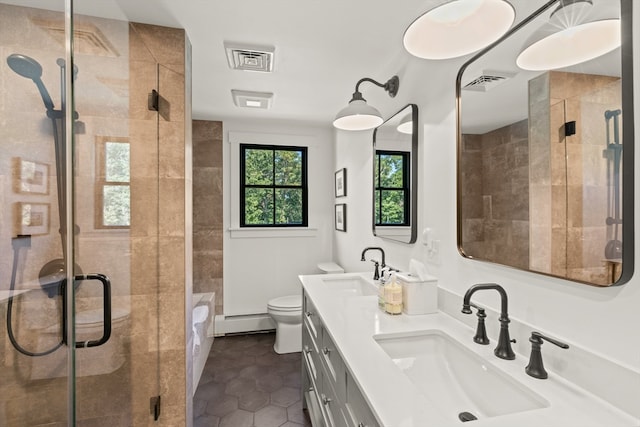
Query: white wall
[[260, 265], [604, 320]]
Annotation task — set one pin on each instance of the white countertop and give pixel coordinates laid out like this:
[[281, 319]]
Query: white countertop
[[353, 321]]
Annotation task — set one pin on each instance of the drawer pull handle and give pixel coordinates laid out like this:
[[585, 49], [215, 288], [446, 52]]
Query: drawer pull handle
[[326, 351], [326, 400], [308, 313], [307, 349]]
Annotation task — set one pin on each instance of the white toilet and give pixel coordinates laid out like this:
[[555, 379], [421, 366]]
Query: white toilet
[[286, 312]]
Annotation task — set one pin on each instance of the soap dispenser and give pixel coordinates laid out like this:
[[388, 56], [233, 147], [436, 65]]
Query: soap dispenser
[[393, 296], [384, 278]]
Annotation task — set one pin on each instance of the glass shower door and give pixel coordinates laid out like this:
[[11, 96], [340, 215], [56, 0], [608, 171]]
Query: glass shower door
[[116, 217], [78, 204], [36, 365]]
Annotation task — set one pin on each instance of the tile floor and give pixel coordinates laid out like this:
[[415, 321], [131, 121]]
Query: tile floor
[[247, 384]]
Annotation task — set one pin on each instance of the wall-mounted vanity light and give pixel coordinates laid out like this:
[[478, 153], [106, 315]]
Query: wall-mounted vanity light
[[568, 40], [457, 28], [406, 124], [358, 115]]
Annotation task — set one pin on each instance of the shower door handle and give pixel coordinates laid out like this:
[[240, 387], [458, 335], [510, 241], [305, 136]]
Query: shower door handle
[[106, 310]]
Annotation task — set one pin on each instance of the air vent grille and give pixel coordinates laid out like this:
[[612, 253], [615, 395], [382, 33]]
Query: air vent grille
[[250, 58], [488, 80], [247, 99]]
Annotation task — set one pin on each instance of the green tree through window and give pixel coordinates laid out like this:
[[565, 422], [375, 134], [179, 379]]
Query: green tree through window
[[113, 195], [392, 188], [273, 186]]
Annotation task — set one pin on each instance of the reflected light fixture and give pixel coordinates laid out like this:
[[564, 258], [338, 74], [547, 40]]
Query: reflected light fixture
[[567, 41], [457, 28], [406, 124], [358, 115]]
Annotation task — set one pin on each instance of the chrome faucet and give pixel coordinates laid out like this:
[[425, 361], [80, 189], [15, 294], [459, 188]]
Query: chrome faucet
[[503, 349], [376, 273]]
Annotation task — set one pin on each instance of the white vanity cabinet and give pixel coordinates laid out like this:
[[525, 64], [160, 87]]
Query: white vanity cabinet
[[331, 395]]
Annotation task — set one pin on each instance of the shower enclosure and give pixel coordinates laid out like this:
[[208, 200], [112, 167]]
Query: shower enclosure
[[92, 282]]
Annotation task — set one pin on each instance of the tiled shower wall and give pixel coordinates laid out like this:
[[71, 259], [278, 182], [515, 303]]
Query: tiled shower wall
[[161, 239], [495, 189], [535, 198], [568, 180], [207, 209]]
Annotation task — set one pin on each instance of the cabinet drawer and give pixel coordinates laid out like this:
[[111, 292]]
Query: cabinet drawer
[[357, 409], [333, 408], [334, 366], [311, 356], [312, 319]]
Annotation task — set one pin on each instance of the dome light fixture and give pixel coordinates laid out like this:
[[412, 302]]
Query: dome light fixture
[[458, 28], [567, 40], [358, 115], [406, 124]]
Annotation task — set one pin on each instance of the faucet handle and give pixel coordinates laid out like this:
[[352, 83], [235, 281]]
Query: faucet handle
[[535, 368], [537, 337], [481, 330], [376, 271]]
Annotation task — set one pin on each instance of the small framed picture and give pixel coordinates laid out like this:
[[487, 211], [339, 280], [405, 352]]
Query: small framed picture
[[341, 183], [341, 217], [31, 177], [32, 218]]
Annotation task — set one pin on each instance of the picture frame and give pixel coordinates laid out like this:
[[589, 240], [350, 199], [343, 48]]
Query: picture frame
[[31, 177], [341, 217], [32, 218], [341, 182]]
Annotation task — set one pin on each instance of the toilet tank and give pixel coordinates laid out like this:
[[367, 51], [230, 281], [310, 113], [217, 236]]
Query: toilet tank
[[330, 267]]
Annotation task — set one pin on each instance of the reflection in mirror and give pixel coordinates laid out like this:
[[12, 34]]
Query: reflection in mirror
[[543, 181], [395, 161]]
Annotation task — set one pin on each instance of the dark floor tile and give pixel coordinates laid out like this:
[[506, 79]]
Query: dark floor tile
[[239, 418], [270, 416], [210, 391], [253, 400], [199, 407], [206, 421], [222, 406], [269, 383], [285, 396], [245, 383], [240, 386], [296, 414]]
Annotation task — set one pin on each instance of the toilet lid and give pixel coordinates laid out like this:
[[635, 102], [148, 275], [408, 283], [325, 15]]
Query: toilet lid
[[287, 303]]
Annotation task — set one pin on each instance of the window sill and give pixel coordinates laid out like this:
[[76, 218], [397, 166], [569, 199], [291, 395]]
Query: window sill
[[251, 233]]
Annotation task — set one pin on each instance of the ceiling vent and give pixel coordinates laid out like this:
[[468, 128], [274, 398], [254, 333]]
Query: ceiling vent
[[258, 100], [249, 58], [488, 80]]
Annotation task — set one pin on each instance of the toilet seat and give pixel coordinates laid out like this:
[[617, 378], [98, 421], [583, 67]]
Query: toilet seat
[[286, 303]]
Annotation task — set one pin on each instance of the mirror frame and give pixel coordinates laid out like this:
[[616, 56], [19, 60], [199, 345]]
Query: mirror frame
[[626, 53], [413, 177]]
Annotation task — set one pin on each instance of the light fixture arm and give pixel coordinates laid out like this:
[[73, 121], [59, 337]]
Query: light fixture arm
[[390, 86]]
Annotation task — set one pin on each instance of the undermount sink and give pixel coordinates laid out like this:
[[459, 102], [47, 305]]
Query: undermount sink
[[455, 378], [354, 286]]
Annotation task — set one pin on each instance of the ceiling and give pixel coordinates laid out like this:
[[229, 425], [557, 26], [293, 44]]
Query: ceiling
[[322, 48]]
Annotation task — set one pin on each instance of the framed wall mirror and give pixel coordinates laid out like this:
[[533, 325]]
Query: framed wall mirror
[[395, 173], [545, 145]]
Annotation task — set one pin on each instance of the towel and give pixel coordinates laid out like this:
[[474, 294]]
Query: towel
[[200, 314]]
